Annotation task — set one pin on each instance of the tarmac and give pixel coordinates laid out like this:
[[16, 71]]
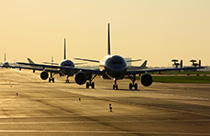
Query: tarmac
[[30, 106]]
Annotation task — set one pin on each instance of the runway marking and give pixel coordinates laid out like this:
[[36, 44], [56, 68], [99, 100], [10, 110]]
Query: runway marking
[[104, 132]]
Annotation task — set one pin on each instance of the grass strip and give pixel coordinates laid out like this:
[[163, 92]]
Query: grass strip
[[182, 79]]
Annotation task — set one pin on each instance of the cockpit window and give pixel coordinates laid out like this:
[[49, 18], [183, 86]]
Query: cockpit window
[[117, 62], [67, 64]]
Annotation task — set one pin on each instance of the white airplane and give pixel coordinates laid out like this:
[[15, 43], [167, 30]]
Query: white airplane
[[110, 67]]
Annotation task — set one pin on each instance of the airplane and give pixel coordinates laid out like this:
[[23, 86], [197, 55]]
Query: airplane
[[111, 67], [45, 70]]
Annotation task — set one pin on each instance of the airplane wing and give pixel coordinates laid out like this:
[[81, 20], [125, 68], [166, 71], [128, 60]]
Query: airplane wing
[[79, 63], [160, 70], [143, 66], [35, 68], [45, 67]]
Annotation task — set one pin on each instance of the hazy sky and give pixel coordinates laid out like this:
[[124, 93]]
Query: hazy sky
[[153, 30]]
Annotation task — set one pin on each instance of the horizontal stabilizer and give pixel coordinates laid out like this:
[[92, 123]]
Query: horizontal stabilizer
[[87, 60], [133, 60]]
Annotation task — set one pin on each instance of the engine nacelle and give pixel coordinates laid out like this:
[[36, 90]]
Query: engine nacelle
[[80, 78], [146, 79], [44, 75]]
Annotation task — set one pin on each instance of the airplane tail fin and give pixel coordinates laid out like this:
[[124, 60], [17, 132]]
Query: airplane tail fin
[[64, 49], [143, 65], [5, 57], [109, 53]]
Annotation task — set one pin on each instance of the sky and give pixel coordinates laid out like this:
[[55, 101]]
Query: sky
[[153, 30]]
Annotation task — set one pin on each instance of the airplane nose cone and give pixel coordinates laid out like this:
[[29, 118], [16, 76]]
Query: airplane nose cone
[[115, 73], [116, 67], [67, 71]]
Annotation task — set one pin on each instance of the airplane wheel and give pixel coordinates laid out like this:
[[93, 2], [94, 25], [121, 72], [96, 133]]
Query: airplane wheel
[[115, 87], [53, 80], [87, 85], [49, 79], [93, 85], [130, 86], [136, 86]]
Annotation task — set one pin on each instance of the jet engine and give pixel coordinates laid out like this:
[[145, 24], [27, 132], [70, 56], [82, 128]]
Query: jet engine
[[80, 78], [44, 75], [146, 79]]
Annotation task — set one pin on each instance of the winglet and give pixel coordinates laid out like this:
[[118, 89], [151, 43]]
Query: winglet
[[143, 66], [109, 53], [30, 61], [64, 49]]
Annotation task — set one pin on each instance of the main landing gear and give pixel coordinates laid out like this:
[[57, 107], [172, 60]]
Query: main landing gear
[[90, 83], [133, 84], [115, 86], [51, 78]]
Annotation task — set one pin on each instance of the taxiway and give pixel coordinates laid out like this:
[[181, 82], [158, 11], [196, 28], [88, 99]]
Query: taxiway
[[30, 106]]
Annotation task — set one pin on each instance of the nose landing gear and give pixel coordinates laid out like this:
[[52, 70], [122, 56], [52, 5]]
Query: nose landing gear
[[115, 86]]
